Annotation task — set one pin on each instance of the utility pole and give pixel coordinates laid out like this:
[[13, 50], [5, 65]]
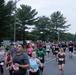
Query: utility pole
[[15, 23], [58, 37], [15, 20]]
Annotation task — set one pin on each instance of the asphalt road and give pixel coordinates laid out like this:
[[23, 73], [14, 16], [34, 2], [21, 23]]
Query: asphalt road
[[51, 67]]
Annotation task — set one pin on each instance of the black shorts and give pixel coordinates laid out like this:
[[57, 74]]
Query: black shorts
[[48, 51], [34, 73], [42, 60], [71, 51], [61, 62]]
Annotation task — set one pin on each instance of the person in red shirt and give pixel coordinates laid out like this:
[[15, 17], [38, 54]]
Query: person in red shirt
[[8, 62]]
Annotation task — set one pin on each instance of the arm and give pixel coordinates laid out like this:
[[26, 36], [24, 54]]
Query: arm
[[25, 66], [57, 55], [39, 62], [44, 52]]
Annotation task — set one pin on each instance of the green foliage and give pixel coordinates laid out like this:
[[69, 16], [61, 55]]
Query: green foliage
[[26, 16], [58, 24], [42, 26], [5, 19], [58, 21]]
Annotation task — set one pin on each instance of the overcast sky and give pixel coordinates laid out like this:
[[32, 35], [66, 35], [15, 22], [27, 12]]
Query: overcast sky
[[47, 7]]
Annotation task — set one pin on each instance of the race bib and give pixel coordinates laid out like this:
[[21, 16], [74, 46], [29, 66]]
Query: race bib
[[56, 51], [61, 59], [2, 63], [15, 68], [32, 69], [40, 58], [47, 50]]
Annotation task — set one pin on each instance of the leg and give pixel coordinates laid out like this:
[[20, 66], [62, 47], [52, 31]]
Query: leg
[[62, 67], [1, 68], [10, 72]]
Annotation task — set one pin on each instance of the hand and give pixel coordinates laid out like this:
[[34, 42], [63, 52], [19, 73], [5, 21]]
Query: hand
[[42, 52], [16, 64], [9, 68]]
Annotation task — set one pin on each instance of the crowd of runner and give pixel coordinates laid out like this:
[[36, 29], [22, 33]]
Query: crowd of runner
[[33, 59]]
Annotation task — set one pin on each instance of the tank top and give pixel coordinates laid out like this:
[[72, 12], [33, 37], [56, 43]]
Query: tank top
[[47, 47], [61, 57], [33, 65]]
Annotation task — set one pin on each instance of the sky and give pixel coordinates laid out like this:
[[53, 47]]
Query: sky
[[47, 7]]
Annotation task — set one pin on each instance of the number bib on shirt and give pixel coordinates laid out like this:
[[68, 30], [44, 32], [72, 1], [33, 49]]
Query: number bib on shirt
[[56, 51], [15, 68], [40, 58], [33, 70], [1, 63], [61, 59]]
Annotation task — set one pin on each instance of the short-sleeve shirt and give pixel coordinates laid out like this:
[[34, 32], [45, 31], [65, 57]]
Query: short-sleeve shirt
[[21, 59], [40, 53]]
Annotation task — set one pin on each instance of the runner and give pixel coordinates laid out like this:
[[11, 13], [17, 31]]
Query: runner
[[34, 64], [75, 48], [64, 46], [53, 49], [20, 61], [56, 51], [48, 48], [70, 46], [61, 60], [30, 50], [2, 60], [41, 52], [8, 63]]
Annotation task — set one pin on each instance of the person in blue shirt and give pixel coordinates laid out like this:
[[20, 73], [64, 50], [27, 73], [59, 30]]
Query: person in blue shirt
[[34, 64]]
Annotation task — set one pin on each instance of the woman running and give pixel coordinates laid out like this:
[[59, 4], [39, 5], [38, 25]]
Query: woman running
[[56, 51], [61, 60], [34, 64], [48, 48], [30, 50]]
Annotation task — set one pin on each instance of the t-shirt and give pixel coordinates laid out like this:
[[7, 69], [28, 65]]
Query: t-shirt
[[30, 50], [40, 52], [21, 59], [2, 56]]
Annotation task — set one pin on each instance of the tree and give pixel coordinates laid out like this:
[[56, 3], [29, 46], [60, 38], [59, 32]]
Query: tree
[[58, 23], [42, 26], [5, 19], [25, 16]]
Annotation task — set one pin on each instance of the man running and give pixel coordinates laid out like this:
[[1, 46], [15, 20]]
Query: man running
[[20, 61], [40, 54]]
